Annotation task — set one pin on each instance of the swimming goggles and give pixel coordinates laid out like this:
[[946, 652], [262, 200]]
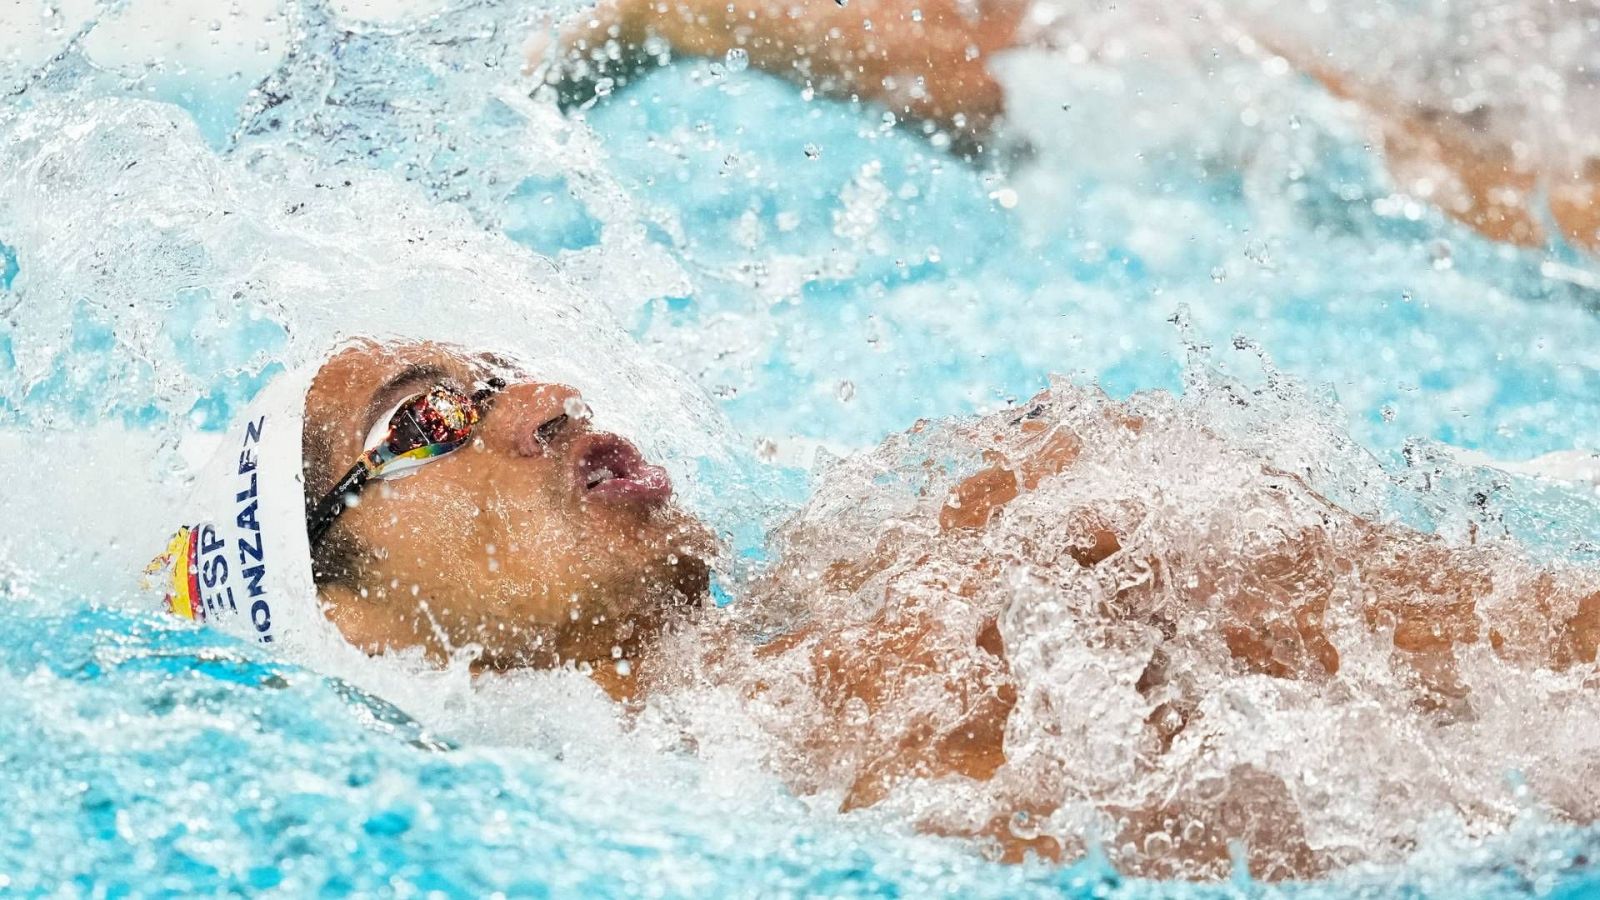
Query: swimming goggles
[[418, 430]]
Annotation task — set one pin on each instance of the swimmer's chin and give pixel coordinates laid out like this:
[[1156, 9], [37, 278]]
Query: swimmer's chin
[[627, 631]]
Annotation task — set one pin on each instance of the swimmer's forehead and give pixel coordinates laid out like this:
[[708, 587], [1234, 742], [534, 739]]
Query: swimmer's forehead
[[363, 376], [364, 361]]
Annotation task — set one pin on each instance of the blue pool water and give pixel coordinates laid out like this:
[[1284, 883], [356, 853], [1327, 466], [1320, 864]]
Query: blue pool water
[[827, 280]]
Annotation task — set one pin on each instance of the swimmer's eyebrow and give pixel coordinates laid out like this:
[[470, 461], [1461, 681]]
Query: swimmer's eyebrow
[[412, 377]]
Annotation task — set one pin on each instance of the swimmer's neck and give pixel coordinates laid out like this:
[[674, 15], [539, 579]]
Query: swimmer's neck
[[603, 672]]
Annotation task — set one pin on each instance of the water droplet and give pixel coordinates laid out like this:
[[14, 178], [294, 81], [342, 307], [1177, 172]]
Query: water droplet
[[916, 14], [737, 60], [846, 391], [604, 86], [1023, 825], [1219, 274], [1006, 197], [1211, 786], [812, 151], [577, 410], [1443, 254], [766, 449], [1157, 843]]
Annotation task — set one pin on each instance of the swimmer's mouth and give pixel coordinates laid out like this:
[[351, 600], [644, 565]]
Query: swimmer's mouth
[[608, 469]]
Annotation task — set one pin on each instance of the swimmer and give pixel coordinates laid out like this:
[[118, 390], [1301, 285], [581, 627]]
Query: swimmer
[[524, 536], [927, 61]]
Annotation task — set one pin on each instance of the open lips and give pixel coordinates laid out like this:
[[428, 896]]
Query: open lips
[[608, 469]]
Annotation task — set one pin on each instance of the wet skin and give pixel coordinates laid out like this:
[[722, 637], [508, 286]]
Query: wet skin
[[520, 542], [926, 60]]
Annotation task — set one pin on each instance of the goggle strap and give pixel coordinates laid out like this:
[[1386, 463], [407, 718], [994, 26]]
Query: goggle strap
[[333, 503]]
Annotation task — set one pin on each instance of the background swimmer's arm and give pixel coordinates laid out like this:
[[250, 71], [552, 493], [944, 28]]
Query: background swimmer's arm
[[926, 60], [1471, 174]]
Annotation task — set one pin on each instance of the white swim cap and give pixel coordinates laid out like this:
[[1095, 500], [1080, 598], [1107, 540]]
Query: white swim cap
[[240, 560]]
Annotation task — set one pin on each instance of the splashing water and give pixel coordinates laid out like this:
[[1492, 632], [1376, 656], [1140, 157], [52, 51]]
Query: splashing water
[[1156, 683], [710, 232]]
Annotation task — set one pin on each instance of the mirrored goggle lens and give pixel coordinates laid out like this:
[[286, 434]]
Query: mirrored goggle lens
[[421, 428]]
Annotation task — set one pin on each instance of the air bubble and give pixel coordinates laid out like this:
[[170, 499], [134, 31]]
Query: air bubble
[[1024, 825]]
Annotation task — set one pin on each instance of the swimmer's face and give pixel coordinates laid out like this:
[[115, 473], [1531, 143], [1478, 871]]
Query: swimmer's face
[[521, 542]]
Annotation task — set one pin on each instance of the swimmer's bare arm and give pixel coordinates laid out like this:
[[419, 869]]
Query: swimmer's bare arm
[[1472, 175], [925, 60]]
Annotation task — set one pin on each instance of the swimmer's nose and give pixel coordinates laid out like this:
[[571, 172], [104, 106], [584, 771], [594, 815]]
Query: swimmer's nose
[[532, 416]]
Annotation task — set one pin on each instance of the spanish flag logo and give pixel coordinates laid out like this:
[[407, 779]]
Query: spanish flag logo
[[182, 582]]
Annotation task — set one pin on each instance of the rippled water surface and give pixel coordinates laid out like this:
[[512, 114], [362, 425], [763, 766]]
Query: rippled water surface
[[803, 279]]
